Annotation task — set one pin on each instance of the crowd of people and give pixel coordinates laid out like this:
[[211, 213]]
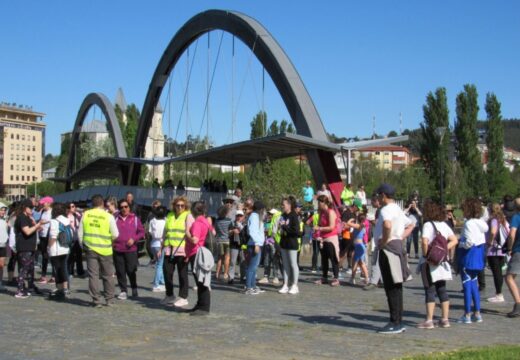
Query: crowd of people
[[243, 234]]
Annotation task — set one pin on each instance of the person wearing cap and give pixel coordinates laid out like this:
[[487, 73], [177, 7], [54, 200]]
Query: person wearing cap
[[97, 230], [271, 248], [43, 233], [394, 268], [256, 241], [26, 229]]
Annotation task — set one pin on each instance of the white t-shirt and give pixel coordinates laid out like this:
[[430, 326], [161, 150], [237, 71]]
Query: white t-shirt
[[474, 233], [156, 230], [392, 212], [44, 231], [361, 195], [429, 232], [56, 249]]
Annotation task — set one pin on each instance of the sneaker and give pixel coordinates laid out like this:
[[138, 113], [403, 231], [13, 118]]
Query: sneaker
[[51, 281], [181, 302], [159, 288], [42, 280], [168, 300], [515, 312], [122, 296], [260, 291], [195, 288], [199, 312], [496, 299], [313, 271], [284, 290], [320, 281], [464, 319], [477, 318], [264, 280], [276, 281], [349, 271], [294, 290], [135, 293], [444, 323], [34, 290], [231, 282], [352, 281], [370, 287], [21, 295], [428, 324], [392, 329], [334, 282]]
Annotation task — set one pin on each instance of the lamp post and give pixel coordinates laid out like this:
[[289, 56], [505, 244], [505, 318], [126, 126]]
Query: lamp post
[[440, 131]]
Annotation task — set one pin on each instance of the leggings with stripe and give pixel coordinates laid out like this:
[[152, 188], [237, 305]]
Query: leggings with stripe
[[470, 286]]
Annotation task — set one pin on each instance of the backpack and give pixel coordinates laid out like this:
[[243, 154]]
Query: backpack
[[65, 235], [502, 235], [438, 248]]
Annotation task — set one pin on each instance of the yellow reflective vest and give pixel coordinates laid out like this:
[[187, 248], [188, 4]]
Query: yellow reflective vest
[[96, 231], [175, 229], [302, 227], [275, 227]]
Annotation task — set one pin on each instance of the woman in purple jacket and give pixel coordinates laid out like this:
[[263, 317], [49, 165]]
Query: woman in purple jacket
[[125, 248]]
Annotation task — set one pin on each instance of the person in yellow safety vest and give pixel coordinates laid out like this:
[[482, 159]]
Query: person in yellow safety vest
[[347, 195], [178, 221], [97, 231], [271, 247]]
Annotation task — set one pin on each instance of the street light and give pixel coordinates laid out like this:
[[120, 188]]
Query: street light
[[440, 131]]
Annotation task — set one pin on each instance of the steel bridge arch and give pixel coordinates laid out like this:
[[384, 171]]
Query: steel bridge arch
[[278, 65], [114, 130]]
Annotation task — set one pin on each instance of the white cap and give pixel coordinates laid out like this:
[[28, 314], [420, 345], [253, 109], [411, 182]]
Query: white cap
[[273, 211], [239, 212]]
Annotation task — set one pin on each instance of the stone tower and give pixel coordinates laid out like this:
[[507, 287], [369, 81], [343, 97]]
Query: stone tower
[[154, 147]]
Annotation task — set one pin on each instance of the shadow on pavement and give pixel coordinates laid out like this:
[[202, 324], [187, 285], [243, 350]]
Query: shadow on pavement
[[334, 320]]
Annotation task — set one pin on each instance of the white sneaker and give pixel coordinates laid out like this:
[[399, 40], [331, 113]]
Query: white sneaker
[[284, 290], [276, 281], [181, 302], [168, 300], [195, 288], [159, 288], [122, 296], [264, 280], [496, 299], [349, 271], [294, 290]]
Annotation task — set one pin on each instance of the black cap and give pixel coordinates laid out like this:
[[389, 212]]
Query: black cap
[[27, 203], [258, 205], [386, 189]]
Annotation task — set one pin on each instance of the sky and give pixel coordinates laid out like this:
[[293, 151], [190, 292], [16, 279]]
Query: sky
[[357, 59]]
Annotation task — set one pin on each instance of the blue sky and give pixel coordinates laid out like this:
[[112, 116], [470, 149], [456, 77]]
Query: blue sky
[[357, 59]]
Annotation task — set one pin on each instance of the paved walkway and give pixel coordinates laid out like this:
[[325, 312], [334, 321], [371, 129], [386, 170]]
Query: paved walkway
[[319, 323]]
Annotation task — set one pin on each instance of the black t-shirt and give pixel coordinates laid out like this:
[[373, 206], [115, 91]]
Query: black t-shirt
[[290, 231], [24, 242]]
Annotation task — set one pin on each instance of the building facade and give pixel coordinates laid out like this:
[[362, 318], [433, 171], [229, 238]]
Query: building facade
[[22, 136], [390, 157]]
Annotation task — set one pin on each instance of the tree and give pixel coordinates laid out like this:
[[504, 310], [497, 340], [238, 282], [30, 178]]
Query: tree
[[497, 175], [291, 129], [283, 126], [466, 134], [273, 128], [392, 133], [258, 125], [130, 131], [431, 150]]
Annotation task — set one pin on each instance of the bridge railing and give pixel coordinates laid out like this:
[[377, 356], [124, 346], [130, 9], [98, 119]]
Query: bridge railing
[[144, 196]]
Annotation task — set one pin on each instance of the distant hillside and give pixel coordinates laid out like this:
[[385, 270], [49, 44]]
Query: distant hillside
[[511, 133]]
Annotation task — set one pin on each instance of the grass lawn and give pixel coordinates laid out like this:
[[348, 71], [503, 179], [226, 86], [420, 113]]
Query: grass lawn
[[499, 352]]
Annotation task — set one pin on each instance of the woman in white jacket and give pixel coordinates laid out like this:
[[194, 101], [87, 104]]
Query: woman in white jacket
[[57, 251]]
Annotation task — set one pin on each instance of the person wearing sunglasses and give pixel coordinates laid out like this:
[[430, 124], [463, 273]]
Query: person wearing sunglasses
[[131, 230], [178, 223]]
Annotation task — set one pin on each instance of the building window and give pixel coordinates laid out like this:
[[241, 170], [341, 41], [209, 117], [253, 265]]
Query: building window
[[23, 167], [34, 168], [12, 137], [17, 136], [12, 146], [34, 148], [23, 147], [34, 138], [12, 157], [17, 178], [377, 152], [34, 178], [12, 177], [17, 157], [17, 146], [23, 137], [12, 167], [34, 158], [23, 177], [17, 167]]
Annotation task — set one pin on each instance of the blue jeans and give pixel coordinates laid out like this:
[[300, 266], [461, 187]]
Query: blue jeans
[[470, 286], [159, 274], [253, 266]]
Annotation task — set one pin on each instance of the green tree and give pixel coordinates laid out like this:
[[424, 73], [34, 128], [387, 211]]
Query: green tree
[[497, 174], [273, 128], [283, 126], [466, 134], [291, 129], [432, 151], [259, 125], [392, 133], [130, 131]]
